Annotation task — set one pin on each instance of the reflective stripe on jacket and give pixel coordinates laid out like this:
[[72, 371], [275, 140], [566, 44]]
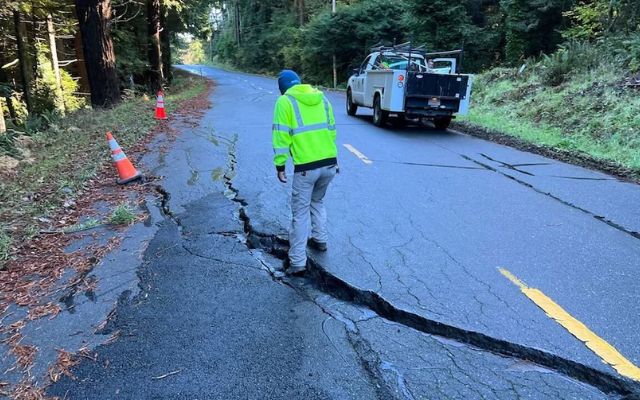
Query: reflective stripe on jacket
[[304, 128]]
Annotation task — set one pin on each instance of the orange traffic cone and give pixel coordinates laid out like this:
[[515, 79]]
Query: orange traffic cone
[[160, 114], [126, 170]]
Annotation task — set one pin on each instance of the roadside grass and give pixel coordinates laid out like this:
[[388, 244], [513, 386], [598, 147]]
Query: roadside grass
[[590, 113], [5, 246], [123, 214], [69, 154]]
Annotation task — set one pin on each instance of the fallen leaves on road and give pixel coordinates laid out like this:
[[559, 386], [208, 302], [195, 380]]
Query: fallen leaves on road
[[26, 391], [25, 354], [63, 365], [49, 309]]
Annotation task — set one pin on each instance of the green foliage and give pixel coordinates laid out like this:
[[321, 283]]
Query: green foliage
[[272, 38], [571, 58], [127, 42], [123, 214], [441, 24], [47, 97], [72, 102], [8, 144], [595, 19], [587, 20], [193, 53], [473, 25], [45, 92], [532, 27], [5, 247], [631, 48], [349, 34]]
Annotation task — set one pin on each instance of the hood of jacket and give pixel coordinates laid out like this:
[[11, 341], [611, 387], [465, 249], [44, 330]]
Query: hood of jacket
[[306, 94]]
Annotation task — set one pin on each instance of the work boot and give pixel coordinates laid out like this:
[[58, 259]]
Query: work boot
[[293, 269], [314, 244]]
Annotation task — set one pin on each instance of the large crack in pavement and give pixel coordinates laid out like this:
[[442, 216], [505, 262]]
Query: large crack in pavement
[[322, 280]]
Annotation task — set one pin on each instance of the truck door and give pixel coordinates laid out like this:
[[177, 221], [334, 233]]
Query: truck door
[[358, 82]]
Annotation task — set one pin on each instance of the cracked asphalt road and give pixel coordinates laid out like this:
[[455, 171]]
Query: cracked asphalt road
[[424, 227]]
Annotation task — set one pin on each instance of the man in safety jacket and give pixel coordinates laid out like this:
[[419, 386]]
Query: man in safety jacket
[[304, 129]]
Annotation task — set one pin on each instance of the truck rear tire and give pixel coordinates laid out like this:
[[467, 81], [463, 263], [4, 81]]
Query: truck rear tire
[[379, 115], [442, 123], [352, 108]]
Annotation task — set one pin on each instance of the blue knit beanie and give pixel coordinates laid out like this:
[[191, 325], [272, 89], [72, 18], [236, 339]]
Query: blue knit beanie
[[287, 79]]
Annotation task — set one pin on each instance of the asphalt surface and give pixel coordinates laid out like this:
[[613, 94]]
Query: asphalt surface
[[422, 230]]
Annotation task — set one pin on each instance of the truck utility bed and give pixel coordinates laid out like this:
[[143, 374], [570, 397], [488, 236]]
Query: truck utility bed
[[427, 93], [422, 84]]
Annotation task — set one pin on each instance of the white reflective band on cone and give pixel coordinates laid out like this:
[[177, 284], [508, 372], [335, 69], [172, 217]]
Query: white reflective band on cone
[[119, 157], [113, 145]]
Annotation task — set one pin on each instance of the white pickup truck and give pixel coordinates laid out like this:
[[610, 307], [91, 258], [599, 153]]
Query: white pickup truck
[[411, 84]]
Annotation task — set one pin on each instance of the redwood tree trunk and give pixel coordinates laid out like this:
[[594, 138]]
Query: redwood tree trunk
[[156, 74], [25, 73], [94, 18], [80, 67], [165, 39]]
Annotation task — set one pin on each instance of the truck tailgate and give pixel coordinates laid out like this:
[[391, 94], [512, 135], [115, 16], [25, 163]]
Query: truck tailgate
[[422, 84]]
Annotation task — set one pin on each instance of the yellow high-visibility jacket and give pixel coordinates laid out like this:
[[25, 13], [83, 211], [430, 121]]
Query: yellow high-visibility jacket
[[304, 128]]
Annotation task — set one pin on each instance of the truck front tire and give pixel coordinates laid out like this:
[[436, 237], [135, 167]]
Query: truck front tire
[[352, 108], [379, 115]]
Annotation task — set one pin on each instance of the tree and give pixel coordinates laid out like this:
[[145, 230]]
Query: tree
[[349, 33], [94, 20], [441, 24], [165, 40], [300, 8], [595, 19], [532, 26], [25, 74], [156, 72]]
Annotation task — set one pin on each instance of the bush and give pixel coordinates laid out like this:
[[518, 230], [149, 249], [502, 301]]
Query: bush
[[571, 57], [631, 51]]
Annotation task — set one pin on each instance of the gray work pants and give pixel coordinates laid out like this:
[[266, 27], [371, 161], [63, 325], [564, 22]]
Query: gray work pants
[[309, 214]]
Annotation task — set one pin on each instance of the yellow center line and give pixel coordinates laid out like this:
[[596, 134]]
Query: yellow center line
[[599, 346], [357, 153]]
